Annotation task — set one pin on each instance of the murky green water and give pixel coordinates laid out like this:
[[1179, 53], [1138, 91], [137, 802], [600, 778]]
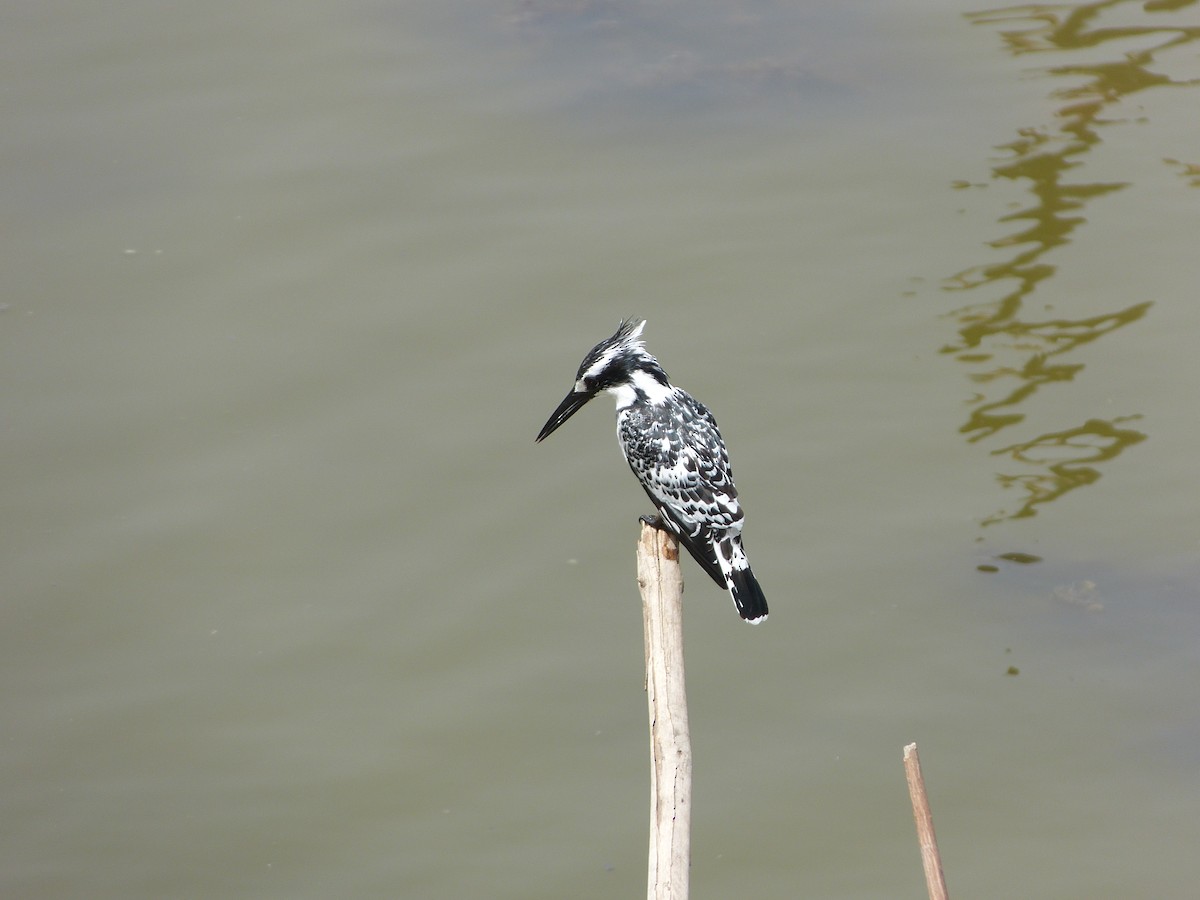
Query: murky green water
[[294, 607]]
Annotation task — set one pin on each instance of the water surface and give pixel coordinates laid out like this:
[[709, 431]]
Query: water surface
[[294, 606]]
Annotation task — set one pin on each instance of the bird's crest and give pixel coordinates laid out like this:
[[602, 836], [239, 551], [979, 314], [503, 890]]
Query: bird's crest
[[630, 330], [626, 341]]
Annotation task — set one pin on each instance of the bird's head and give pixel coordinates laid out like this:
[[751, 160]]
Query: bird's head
[[620, 365]]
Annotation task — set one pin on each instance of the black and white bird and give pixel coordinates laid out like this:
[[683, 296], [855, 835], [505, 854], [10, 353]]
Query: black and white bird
[[672, 444]]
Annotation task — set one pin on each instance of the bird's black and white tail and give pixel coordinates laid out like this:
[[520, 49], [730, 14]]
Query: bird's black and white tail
[[747, 596]]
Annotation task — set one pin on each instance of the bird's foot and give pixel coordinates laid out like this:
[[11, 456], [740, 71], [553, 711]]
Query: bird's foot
[[654, 521]]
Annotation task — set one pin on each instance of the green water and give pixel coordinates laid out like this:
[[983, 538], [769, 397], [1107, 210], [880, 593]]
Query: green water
[[293, 605]]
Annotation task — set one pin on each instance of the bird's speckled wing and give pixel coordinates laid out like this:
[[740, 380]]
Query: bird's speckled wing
[[677, 454]]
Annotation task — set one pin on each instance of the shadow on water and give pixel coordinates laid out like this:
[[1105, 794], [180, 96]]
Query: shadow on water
[[1011, 354]]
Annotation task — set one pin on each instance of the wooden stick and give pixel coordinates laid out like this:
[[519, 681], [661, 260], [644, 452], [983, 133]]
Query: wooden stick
[[935, 880], [661, 585]]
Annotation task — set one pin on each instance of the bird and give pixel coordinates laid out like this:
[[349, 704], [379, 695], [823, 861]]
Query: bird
[[671, 442]]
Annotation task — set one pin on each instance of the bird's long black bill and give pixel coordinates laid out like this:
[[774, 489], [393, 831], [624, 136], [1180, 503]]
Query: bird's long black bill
[[571, 404]]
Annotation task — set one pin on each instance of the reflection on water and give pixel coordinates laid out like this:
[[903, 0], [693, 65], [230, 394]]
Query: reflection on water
[[752, 58], [1011, 354], [1189, 171], [1064, 456]]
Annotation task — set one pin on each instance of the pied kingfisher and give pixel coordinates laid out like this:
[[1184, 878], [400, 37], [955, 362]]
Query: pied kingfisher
[[672, 444]]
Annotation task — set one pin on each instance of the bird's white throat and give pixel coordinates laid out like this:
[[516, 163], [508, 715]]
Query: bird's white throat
[[641, 384]]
